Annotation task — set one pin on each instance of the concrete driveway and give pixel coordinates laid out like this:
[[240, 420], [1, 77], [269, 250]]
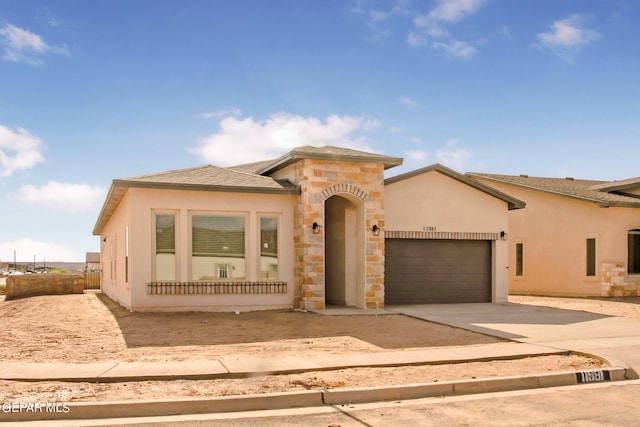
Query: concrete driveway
[[616, 338]]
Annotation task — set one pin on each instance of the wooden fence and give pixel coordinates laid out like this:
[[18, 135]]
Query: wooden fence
[[93, 280]]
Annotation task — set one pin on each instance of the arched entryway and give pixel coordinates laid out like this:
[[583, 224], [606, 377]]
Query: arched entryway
[[344, 251]]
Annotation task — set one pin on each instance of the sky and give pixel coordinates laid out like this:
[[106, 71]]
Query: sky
[[92, 91]]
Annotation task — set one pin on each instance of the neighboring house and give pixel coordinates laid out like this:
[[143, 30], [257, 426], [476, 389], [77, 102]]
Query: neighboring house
[[92, 261], [575, 238], [301, 231]]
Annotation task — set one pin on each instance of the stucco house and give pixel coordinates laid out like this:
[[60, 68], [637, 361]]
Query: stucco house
[[301, 231], [575, 238]]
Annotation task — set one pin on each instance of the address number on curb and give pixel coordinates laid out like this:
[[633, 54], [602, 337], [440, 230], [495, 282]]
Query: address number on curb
[[592, 376]]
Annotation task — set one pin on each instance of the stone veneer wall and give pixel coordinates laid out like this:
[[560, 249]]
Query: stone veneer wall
[[319, 180], [30, 285], [615, 281]]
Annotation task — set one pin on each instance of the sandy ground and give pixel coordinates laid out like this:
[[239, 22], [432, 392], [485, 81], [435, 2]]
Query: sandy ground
[[623, 307], [91, 327]]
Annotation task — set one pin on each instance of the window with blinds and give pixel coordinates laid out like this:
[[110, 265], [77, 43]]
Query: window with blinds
[[269, 248], [217, 236], [165, 234], [165, 260], [218, 247]]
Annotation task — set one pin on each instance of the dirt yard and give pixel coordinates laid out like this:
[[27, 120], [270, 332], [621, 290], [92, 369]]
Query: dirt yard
[[91, 327]]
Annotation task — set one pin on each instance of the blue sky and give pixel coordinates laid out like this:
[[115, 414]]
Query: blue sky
[[96, 90]]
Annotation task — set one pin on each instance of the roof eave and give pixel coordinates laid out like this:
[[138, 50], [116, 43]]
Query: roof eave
[[292, 157], [601, 203], [512, 202], [207, 187], [119, 187]]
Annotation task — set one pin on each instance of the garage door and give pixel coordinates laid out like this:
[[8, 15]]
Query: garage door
[[437, 271]]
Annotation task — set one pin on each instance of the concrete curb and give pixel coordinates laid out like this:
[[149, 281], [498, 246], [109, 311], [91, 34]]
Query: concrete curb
[[106, 372], [308, 398]]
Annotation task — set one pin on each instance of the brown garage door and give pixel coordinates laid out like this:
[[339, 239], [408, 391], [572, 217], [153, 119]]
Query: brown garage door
[[437, 271]]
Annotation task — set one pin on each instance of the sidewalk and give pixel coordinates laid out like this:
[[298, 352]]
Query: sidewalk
[[232, 367]]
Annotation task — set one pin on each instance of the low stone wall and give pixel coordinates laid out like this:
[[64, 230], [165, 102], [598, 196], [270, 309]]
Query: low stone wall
[[29, 285]]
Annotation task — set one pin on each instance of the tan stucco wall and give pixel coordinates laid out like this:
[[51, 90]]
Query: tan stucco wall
[[138, 213], [553, 230], [112, 248], [434, 200]]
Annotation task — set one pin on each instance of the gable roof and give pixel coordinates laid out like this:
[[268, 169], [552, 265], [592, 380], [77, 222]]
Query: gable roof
[[624, 184], [581, 189], [203, 178], [251, 167], [328, 153], [512, 202]]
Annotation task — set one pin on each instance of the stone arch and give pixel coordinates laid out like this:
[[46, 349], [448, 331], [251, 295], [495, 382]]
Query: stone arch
[[344, 189]]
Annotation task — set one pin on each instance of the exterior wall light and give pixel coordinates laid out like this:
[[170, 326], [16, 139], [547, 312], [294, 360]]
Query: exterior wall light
[[503, 235], [376, 230], [316, 228]]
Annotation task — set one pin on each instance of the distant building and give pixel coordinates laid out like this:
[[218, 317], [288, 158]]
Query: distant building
[[93, 261], [575, 238]]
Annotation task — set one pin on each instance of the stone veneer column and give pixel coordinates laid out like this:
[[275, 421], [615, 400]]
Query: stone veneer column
[[615, 281], [319, 180]]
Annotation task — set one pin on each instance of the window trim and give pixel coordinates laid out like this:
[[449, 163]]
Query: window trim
[[176, 250], [519, 266], [278, 217], [587, 270], [632, 231]]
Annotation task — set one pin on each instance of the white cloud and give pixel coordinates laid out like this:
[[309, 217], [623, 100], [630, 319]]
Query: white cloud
[[26, 248], [457, 48], [408, 102], [70, 197], [19, 150], [454, 10], [235, 112], [431, 29], [567, 35], [248, 140], [415, 39], [22, 45], [396, 130], [377, 16], [416, 155], [452, 155]]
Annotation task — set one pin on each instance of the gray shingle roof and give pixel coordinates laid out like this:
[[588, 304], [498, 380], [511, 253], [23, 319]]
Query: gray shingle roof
[[209, 176], [251, 167], [329, 153], [203, 178], [618, 185], [587, 190]]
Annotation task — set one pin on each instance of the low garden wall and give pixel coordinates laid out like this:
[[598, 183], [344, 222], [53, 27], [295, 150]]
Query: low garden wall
[[29, 285]]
